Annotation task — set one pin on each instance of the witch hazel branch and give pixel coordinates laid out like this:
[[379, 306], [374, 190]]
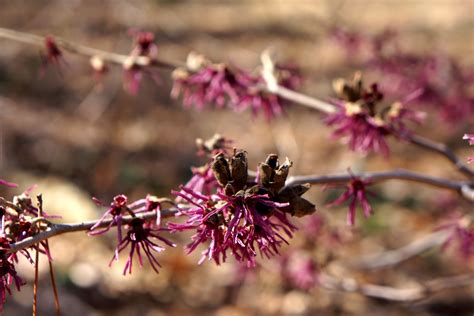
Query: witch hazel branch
[[233, 210]]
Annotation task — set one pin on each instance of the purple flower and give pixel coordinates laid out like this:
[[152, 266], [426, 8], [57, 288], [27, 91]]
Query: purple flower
[[211, 84], [441, 81], [362, 123], [356, 192], [205, 83], [470, 138], [140, 237], [361, 131], [116, 209], [240, 223], [461, 232]]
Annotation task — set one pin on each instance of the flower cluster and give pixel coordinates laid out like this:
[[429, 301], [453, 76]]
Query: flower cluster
[[203, 83], [439, 80], [363, 121], [140, 234], [242, 216], [470, 138], [356, 192], [19, 220]]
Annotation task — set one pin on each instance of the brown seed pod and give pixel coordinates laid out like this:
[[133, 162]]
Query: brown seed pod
[[280, 176], [220, 168], [239, 169]]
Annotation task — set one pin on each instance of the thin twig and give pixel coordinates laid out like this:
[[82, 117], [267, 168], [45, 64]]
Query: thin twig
[[58, 229], [53, 282], [422, 291], [393, 257], [398, 174], [443, 150]]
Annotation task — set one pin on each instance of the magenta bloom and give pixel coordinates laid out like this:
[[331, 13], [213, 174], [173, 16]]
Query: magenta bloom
[[212, 84], [239, 223], [441, 81], [357, 193], [362, 123], [140, 237], [119, 207], [470, 138], [362, 132], [116, 210], [205, 83], [461, 232]]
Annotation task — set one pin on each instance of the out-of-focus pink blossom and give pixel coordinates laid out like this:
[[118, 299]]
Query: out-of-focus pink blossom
[[461, 230]]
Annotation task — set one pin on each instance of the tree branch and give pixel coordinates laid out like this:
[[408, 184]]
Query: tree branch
[[443, 150], [410, 294], [461, 187], [58, 229], [393, 257]]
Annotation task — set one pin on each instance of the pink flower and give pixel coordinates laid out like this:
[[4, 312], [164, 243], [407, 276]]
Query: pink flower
[[116, 209], [442, 82], [204, 83], [357, 193], [239, 223], [140, 237], [362, 122], [300, 270]]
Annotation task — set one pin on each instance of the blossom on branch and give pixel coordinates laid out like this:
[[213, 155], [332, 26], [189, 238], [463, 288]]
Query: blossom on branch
[[203, 83], [440, 82], [356, 192], [139, 237], [139, 233], [361, 122], [243, 217]]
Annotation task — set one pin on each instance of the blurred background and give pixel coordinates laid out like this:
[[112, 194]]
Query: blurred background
[[76, 140]]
